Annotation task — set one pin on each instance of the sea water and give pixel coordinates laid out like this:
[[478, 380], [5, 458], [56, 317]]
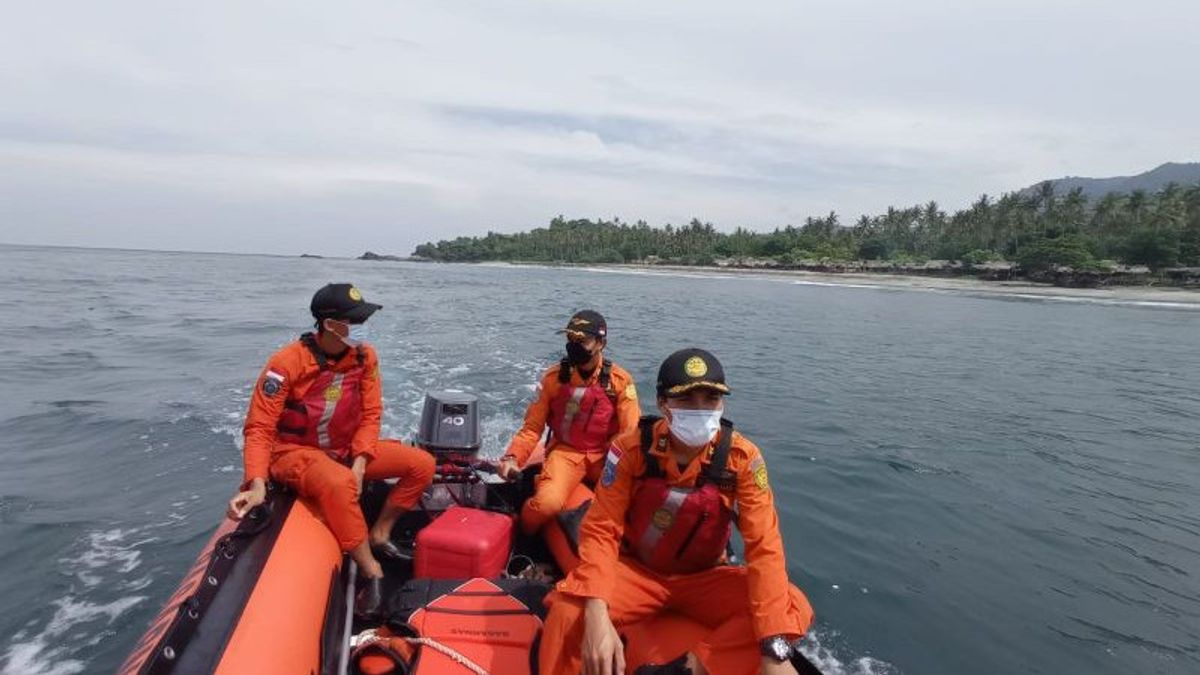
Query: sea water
[[965, 484]]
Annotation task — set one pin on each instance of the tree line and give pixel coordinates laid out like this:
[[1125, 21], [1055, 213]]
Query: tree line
[[1035, 228]]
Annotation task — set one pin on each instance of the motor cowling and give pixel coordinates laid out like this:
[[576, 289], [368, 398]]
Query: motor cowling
[[450, 426]]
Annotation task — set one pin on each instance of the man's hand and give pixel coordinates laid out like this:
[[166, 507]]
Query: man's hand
[[247, 499], [772, 667], [508, 469], [359, 467], [603, 653]]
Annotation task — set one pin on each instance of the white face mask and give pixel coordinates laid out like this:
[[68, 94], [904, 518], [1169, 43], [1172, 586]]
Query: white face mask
[[357, 334], [695, 428]]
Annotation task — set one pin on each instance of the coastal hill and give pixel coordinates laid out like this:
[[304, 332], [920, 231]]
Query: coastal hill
[[1150, 181], [1033, 233]]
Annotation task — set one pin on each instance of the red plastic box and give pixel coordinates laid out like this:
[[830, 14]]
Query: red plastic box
[[463, 543]]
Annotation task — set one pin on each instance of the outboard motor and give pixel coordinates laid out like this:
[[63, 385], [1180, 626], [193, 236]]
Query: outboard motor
[[450, 431], [450, 426]]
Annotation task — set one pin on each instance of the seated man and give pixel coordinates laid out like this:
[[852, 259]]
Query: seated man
[[655, 538], [313, 425], [585, 400]]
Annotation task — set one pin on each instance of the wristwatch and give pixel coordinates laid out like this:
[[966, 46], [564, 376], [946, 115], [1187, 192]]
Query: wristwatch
[[776, 647]]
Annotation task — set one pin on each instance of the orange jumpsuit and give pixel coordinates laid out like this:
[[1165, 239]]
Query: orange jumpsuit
[[565, 466], [740, 605], [311, 472]]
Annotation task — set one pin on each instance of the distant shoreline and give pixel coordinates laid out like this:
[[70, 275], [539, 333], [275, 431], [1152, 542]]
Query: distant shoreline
[[1167, 295]]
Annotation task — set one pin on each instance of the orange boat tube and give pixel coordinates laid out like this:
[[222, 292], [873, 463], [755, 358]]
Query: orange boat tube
[[248, 603]]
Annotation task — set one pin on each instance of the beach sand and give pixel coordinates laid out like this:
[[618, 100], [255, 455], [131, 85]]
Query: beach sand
[[1144, 295]]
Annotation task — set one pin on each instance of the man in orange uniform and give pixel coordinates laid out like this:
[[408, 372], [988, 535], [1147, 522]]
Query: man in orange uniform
[[585, 400], [655, 537], [313, 425]]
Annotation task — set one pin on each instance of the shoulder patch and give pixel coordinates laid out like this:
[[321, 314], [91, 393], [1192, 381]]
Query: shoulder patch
[[630, 391], [758, 468], [272, 383], [611, 461]]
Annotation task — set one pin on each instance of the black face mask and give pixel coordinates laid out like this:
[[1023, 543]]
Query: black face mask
[[578, 354]]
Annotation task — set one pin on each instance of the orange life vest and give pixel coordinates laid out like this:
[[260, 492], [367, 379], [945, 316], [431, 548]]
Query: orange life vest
[[330, 411], [584, 417], [676, 530]]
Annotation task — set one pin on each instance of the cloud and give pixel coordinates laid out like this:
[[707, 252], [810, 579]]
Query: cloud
[[269, 126]]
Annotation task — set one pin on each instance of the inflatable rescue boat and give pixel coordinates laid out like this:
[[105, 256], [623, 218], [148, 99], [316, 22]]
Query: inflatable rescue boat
[[274, 594]]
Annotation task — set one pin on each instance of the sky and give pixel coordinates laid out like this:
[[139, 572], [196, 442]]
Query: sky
[[333, 128]]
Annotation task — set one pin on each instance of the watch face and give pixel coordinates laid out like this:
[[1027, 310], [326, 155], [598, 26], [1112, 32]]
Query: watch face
[[778, 648]]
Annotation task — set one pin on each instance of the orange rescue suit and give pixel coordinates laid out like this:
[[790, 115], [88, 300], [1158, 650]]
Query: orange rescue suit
[[310, 416], [740, 605], [583, 415]]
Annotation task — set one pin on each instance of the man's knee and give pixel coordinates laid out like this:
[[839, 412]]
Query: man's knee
[[547, 502], [408, 463], [424, 466], [552, 492]]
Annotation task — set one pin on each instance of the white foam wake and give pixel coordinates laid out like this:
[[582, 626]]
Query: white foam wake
[[822, 656], [77, 623]]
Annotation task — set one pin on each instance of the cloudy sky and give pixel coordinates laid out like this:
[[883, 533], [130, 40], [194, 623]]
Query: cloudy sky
[[325, 127]]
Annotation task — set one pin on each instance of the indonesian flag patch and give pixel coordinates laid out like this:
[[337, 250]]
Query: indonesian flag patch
[[610, 466], [272, 383]]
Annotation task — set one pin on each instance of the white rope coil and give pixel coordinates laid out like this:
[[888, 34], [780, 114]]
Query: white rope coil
[[370, 636]]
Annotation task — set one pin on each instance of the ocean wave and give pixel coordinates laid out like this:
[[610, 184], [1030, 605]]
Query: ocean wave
[[1005, 293], [79, 621], [51, 651], [847, 284], [819, 647], [1039, 297], [997, 292], [675, 274]]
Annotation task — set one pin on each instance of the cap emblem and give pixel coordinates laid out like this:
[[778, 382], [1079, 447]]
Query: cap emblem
[[355, 294], [695, 367]]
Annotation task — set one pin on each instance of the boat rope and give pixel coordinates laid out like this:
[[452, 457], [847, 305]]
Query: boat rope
[[369, 636], [453, 655]]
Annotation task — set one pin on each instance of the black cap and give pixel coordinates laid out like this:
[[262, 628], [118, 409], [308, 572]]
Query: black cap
[[586, 322], [343, 302], [689, 369]]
